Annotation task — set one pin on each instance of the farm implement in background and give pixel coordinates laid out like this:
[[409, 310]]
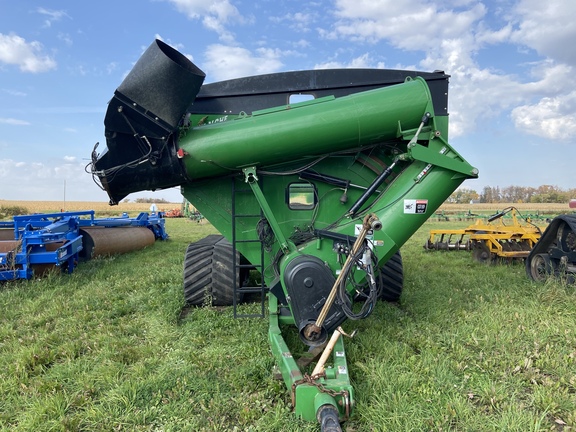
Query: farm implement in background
[[186, 210], [508, 239], [315, 179], [555, 254], [444, 216], [33, 244], [189, 211]]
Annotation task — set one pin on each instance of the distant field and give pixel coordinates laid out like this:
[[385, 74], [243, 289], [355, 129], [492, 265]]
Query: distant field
[[98, 207], [522, 207]]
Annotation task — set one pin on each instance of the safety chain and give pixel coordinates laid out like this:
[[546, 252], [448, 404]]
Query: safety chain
[[312, 380]]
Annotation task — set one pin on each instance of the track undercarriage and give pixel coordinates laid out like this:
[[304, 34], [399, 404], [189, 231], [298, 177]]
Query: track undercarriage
[[555, 253]]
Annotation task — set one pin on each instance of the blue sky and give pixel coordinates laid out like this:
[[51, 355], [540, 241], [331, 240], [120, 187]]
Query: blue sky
[[512, 96]]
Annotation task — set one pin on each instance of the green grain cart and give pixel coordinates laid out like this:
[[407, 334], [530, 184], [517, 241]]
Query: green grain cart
[[315, 179]]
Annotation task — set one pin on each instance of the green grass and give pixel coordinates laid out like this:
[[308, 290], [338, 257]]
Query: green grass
[[470, 347]]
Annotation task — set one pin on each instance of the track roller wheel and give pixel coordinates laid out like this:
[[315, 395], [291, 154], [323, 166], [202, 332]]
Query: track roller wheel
[[567, 238], [541, 267], [392, 279], [208, 272]]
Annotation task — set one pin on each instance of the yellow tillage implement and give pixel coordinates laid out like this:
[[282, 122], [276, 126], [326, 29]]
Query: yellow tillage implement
[[487, 240]]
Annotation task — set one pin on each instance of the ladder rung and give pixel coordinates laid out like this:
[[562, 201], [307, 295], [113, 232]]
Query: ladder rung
[[262, 289], [251, 292], [249, 266]]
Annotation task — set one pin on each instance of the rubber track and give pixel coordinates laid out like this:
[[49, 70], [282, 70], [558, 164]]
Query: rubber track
[[208, 274], [392, 274], [550, 244], [223, 274]]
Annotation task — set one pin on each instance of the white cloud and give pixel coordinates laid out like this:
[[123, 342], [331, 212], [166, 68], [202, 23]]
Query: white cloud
[[111, 67], [486, 35], [301, 44], [14, 122], [45, 180], [226, 62], [51, 15], [298, 21], [451, 34], [363, 61], [411, 25], [548, 27], [553, 118], [65, 37], [27, 56], [215, 15]]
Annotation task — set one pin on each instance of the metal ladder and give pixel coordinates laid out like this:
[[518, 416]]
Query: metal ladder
[[261, 289]]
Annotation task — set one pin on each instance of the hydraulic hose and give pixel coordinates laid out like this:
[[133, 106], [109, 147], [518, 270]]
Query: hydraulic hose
[[371, 189], [313, 331]]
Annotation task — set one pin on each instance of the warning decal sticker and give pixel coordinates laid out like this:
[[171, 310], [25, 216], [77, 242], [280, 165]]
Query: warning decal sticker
[[415, 206]]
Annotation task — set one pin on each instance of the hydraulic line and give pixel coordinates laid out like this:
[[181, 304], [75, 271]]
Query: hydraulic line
[[342, 294], [386, 173], [370, 222], [371, 189]]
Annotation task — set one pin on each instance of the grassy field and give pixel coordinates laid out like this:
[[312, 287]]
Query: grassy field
[[469, 348]]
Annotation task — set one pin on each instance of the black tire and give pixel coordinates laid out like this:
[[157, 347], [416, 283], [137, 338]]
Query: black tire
[[392, 279], [541, 267], [208, 272]]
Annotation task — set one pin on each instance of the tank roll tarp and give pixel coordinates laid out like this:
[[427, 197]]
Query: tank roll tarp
[[310, 129], [265, 91], [102, 241]]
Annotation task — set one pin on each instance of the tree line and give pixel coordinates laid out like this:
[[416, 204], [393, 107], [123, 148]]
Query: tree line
[[149, 200], [513, 194]]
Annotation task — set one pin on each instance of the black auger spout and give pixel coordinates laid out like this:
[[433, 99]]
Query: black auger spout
[[141, 121]]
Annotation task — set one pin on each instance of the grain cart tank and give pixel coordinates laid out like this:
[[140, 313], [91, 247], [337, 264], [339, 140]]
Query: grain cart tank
[[317, 195]]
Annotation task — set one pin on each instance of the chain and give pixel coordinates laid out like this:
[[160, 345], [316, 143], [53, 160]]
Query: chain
[[312, 380]]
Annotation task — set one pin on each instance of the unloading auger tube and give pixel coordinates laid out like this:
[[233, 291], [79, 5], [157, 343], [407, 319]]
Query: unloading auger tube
[[288, 185]]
